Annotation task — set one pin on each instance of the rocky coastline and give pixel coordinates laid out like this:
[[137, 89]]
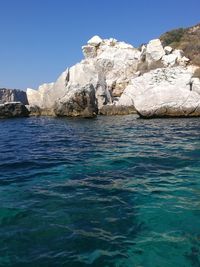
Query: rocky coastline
[[13, 110], [116, 78]]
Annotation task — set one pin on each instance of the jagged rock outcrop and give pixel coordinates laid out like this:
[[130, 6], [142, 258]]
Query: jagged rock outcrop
[[109, 65], [13, 95], [166, 92], [110, 75], [154, 51], [78, 103], [13, 110], [48, 93]]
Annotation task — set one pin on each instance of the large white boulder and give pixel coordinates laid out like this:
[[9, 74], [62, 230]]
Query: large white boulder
[[169, 60], [95, 41], [168, 50], [87, 72], [164, 92], [118, 61], [154, 51], [39, 97]]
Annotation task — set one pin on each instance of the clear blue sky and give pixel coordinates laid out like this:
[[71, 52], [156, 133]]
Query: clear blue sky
[[40, 38]]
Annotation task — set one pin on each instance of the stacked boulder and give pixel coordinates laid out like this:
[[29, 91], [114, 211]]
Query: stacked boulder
[[107, 69], [112, 79]]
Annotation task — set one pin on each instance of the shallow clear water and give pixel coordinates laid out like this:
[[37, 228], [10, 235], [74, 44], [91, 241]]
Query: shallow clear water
[[113, 191]]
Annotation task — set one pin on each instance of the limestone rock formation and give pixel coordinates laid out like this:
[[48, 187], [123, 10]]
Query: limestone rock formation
[[113, 109], [113, 75], [164, 93], [109, 65], [48, 93], [13, 95], [12, 110], [154, 51], [79, 102], [38, 111]]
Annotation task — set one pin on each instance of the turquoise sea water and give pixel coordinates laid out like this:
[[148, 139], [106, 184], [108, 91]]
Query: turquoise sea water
[[113, 191]]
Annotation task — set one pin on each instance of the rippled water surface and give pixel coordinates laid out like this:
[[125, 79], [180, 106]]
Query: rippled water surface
[[113, 191]]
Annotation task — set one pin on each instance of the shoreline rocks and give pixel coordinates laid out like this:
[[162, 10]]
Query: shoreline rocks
[[13, 110], [80, 103], [168, 92], [111, 110], [116, 78]]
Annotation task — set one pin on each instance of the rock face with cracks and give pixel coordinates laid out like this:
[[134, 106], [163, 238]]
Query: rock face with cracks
[[80, 103], [116, 78], [108, 66], [168, 92]]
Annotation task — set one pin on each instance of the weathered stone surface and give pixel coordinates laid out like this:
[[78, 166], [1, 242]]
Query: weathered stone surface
[[13, 95], [37, 111], [109, 66], [168, 50], [39, 97], [111, 110], [78, 103], [116, 61], [34, 110], [12, 110], [154, 51], [179, 53], [87, 72], [95, 41], [169, 60], [164, 92], [112, 68], [48, 93], [89, 51], [183, 61]]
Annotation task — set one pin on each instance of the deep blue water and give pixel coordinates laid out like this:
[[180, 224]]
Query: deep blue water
[[108, 192]]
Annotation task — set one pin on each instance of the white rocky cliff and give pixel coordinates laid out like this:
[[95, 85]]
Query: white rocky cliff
[[154, 79], [164, 92]]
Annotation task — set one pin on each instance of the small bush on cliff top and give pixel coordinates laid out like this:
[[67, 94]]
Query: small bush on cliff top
[[173, 37], [187, 40]]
